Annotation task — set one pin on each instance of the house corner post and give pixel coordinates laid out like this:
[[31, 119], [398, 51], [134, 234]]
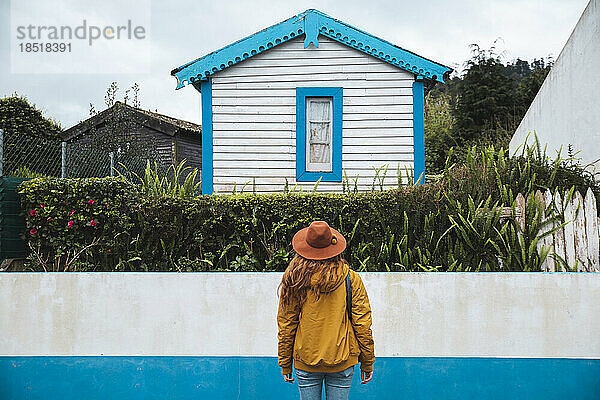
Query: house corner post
[[419, 130], [207, 136]]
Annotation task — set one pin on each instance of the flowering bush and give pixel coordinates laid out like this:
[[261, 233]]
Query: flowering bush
[[68, 215]]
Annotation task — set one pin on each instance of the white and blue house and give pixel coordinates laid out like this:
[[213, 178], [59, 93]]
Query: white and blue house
[[311, 98]]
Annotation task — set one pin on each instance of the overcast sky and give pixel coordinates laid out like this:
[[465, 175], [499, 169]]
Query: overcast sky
[[183, 30]]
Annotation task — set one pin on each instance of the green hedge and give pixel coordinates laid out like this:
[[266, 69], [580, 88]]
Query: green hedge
[[107, 225], [236, 232]]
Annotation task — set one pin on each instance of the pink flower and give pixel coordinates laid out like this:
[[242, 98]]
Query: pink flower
[[42, 205], [33, 231], [72, 212], [90, 201], [70, 224], [83, 203], [33, 212], [93, 223]]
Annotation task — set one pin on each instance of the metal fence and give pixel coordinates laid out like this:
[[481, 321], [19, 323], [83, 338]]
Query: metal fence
[[37, 156], [29, 156], [23, 157]]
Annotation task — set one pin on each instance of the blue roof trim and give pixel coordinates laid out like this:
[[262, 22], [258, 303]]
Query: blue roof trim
[[312, 23]]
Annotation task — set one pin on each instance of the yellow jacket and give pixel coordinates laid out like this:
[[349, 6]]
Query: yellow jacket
[[319, 337]]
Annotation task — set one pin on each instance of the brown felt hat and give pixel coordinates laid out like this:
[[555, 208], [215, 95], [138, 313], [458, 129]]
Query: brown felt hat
[[318, 241]]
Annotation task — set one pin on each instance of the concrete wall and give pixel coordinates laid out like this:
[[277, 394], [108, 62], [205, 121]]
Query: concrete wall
[[566, 110], [437, 336]]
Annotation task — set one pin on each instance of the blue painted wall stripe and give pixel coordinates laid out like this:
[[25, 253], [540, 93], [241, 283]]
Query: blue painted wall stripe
[[207, 137], [162, 378], [419, 130], [337, 94]]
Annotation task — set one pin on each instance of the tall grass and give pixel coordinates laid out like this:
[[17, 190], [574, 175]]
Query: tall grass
[[177, 181]]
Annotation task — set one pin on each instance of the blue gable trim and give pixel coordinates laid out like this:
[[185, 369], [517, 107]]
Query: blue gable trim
[[311, 23], [419, 130], [207, 137], [301, 94]]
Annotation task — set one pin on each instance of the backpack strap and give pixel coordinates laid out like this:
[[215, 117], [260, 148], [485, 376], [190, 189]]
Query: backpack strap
[[349, 296]]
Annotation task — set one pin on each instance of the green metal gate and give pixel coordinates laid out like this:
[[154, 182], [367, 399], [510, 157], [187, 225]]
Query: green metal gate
[[12, 222]]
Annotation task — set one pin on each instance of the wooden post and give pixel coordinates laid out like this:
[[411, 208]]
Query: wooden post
[[520, 211], [548, 203], [559, 235], [591, 228], [581, 250], [541, 244], [570, 232]]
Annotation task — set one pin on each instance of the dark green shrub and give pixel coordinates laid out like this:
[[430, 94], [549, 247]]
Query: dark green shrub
[[31, 142], [439, 226]]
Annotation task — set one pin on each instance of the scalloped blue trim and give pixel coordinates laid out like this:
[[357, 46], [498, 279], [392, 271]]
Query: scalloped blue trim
[[312, 23]]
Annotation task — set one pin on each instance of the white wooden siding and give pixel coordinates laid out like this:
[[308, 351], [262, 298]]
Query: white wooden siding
[[254, 117]]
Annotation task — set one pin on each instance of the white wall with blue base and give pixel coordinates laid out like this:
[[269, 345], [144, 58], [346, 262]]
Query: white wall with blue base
[[184, 336]]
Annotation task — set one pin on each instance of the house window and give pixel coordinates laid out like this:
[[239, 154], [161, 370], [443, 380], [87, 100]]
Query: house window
[[319, 134]]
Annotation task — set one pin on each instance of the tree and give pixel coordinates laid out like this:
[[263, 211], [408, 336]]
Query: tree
[[530, 84], [31, 142], [486, 102], [439, 130], [18, 116]]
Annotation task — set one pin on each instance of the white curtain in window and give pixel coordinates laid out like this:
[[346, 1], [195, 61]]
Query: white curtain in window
[[319, 111], [320, 137]]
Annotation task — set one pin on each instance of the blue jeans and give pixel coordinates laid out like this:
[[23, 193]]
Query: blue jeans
[[337, 384]]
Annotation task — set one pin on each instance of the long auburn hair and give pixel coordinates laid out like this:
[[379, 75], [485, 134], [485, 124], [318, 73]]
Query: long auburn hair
[[296, 282]]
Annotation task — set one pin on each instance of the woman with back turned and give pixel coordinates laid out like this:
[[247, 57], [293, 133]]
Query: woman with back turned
[[324, 317]]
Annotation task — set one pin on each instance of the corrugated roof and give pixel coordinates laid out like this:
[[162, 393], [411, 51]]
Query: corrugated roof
[[159, 122]]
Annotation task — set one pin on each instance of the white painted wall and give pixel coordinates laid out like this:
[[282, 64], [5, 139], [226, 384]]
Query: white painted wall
[[566, 110], [254, 115], [233, 314]]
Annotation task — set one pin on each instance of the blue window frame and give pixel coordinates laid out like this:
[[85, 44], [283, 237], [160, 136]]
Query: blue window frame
[[336, 96], [419, 130]]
